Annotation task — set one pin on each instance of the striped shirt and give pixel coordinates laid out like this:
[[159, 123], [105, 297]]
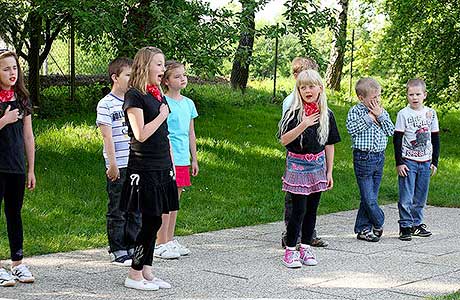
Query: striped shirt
[[110, 113], [366, 135]]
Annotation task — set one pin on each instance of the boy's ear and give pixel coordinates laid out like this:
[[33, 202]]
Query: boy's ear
[[114, 77]]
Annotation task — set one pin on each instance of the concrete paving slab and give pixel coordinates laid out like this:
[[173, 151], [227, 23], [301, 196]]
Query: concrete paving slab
[[245, 263]]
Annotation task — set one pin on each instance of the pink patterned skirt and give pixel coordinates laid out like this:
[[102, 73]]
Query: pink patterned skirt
[[305, 173]]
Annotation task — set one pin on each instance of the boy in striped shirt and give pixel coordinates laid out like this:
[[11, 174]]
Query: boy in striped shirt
[[122, 226]]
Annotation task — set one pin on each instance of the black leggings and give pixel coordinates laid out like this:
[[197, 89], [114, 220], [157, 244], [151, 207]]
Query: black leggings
[[303, 215], [145, 242], [12, 190]]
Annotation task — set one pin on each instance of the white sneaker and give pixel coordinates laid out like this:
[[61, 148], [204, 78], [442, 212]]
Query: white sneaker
[[179, 248], [22, 273], [143, 285], [165, 251], [161, 283], [307, 256], [6, 279]]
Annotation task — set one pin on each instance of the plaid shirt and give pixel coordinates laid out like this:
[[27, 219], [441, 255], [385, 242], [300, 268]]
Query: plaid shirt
[[366, 135]]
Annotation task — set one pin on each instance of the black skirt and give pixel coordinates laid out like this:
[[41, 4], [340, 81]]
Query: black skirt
[[150, 192]]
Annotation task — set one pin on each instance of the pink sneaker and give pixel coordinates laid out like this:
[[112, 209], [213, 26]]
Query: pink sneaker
[[291, 259], [307, 257]]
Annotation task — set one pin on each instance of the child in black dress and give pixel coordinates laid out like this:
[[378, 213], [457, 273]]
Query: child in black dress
[[150, 186]]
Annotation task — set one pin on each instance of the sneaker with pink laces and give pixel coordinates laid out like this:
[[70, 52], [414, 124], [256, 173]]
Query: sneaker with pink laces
[[291, 259], [307, 257]]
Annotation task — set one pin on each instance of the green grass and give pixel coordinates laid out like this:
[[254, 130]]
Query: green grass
[[453, 296], [241, 164]]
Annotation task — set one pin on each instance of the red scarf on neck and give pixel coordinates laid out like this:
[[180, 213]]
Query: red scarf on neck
[[6, 95], [154, 91], [310, 108]]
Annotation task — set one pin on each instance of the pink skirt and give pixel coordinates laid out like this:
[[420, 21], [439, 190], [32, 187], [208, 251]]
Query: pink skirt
[[183, 176], [305, 173]]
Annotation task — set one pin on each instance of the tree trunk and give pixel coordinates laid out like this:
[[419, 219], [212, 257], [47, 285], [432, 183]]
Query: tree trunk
[[334, 70], [34, 58], [242, 61]]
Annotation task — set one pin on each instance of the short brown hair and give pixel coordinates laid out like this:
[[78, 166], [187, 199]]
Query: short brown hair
[[300, 64], [365, 85], [117, 65], [416, 82]]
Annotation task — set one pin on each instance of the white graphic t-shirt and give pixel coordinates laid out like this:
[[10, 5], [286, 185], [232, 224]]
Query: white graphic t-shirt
[[417, 126]]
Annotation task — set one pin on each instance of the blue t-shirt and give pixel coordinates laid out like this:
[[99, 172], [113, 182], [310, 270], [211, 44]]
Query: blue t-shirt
[[110, 113], [182, 112]]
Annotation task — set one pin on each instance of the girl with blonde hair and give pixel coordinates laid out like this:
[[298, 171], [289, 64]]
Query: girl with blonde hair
[[308, 131]]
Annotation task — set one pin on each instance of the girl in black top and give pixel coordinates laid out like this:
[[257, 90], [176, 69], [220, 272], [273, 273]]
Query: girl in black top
[[16, 141], [308, 131], [150, 184]]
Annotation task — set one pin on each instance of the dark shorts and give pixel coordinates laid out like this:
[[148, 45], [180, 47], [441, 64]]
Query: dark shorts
[[150, 192]]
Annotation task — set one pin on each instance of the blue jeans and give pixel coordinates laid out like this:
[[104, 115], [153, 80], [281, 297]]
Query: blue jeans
[[368, 168], [413, 192], [122, 226]]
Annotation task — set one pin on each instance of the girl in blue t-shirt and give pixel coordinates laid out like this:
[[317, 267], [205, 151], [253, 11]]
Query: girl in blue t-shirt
[[16, 142], [183, 141]]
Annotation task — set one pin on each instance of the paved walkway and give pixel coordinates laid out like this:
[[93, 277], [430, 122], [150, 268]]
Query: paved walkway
[[245, 263]]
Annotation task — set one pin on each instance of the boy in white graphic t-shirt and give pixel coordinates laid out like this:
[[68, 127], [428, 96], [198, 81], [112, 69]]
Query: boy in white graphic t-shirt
[[416, 142]]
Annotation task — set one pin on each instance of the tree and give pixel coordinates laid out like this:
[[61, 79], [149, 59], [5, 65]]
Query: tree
[[421, 41], [185, 30], [334, 70], [32, 26], [243, 56]]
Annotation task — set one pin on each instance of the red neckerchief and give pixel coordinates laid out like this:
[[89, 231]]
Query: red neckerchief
[[310, 108], [155, 92], [6, 95]]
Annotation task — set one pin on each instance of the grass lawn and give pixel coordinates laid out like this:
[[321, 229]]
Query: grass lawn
[[241, 164], [453, 296]]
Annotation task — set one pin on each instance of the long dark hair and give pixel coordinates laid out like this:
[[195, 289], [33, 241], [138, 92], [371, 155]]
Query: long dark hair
[[22, 94]]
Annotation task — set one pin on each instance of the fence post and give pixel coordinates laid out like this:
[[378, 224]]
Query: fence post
[[276, 66], [72, 60], [351, 61]]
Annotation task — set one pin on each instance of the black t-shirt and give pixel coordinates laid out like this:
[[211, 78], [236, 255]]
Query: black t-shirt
[[12, 151], [153, 153], [310, 142]]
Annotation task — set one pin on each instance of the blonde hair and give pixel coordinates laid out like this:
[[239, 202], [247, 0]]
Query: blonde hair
[[170, 65], [19, 87], [416, 82], [140, 68], [366, 85], [300, 64], [295, 111]]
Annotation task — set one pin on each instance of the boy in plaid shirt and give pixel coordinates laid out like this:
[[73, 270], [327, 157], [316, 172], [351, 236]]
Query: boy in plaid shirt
[[369, 125]]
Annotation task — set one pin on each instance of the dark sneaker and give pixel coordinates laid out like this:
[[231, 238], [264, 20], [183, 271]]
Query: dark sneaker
[[420, 230], [368, 236], [124, 260], [378, 232], [319, 242], [405, 233]]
